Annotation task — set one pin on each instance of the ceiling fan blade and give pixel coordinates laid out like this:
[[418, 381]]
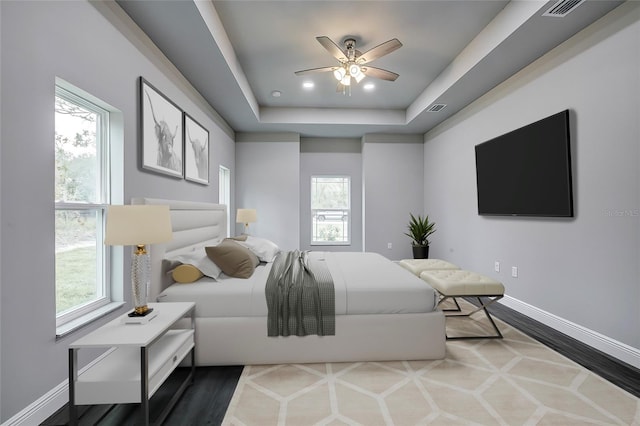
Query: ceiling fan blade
[[314, 70], [379, 51], [332, 48], [379, 73]]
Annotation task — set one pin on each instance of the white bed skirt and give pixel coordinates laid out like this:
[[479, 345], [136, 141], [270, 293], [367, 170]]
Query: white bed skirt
[[244, 341]]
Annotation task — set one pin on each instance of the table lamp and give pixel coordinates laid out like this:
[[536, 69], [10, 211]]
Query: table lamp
[[246, 216], [138, 225]]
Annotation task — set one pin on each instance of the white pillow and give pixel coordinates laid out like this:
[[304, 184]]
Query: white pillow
[[266, 250], [199, 259]]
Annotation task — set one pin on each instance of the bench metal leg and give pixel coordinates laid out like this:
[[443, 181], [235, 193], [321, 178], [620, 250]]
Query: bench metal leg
[[482, 306]]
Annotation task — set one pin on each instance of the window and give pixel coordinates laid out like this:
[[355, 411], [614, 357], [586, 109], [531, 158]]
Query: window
[[224, 192], [82, 193], [330, 210]]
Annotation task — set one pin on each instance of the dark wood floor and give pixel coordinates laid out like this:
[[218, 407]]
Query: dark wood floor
[[205, 402], [621, 374]]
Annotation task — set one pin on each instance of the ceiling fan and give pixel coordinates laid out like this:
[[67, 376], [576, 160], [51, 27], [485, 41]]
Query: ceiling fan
[[353, 62]]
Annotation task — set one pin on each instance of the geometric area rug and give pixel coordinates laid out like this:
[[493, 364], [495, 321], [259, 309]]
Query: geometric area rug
[[510, 381]]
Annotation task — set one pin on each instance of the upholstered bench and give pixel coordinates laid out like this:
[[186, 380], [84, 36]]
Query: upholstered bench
[[455, 283], [417, 266]]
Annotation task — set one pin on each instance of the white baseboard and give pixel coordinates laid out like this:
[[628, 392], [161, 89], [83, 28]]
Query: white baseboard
[[45, 406], [614, 348], [51, 402]]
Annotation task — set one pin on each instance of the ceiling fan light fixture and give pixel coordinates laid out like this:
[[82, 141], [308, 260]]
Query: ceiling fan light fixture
[[353, 63], [355, 71]]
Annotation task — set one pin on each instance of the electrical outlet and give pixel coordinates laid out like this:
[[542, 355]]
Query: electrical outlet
[[496, 266], [389, 246], [514, 271]]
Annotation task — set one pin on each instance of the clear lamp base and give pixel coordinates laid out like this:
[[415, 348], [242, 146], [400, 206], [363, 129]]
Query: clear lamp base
[[140, 280]]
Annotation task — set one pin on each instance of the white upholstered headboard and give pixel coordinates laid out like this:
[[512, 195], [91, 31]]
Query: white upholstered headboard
[[195, 224]]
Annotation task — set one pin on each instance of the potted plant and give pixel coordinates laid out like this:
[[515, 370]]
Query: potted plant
[[419, 231]]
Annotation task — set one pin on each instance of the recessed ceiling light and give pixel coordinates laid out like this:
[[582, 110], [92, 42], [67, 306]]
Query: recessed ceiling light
[[308, 85], [276, 93], [369, 86]]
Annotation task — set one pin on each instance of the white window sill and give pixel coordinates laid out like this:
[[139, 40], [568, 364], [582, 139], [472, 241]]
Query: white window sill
[[74, 325]]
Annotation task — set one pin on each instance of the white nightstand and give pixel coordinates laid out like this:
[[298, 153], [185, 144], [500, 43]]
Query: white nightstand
[[141, 359]]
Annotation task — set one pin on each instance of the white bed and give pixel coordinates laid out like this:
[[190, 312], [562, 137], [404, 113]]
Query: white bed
[[383, 312]]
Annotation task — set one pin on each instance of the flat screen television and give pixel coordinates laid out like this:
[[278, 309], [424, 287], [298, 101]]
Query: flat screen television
[[527, 172]]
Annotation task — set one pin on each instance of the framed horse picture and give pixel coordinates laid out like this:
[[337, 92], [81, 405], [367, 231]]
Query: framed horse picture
[[196, 151], [161, 132]]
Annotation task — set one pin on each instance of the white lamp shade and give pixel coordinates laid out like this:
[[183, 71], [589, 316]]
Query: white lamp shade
[[246, 216], [137, 224]]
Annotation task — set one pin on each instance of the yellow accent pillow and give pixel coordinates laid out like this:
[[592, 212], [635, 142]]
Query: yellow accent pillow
[[186, 274]]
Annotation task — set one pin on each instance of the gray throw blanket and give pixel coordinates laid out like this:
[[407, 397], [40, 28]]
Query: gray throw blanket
[[300, 296]]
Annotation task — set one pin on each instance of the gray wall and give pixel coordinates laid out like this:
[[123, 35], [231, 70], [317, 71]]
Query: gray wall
[[393, 187], [331, 157], [268, 180], [97, 48], [585, 269], [1, 218], [273, 173]]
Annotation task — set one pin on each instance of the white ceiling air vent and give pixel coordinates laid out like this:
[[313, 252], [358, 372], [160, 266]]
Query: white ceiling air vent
[[436, 107], [562, 8]]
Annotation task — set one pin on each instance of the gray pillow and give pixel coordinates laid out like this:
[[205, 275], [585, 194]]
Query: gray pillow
[[234, 260]]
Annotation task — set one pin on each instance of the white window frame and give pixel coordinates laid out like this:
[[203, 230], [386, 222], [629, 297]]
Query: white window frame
[[109, 279], [313, 212], [224, 192]]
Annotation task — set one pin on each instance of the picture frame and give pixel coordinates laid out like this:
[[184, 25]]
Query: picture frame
[[161, 132], [196, 151]]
